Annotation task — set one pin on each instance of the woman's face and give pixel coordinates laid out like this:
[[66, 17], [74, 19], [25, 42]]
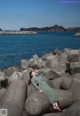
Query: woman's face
[[34, 73]]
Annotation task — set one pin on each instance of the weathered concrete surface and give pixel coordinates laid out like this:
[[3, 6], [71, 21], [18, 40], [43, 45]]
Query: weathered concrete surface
[[54, 114], [36, 103], [75, 87], [66, 83], [51, 61], [9, 71], [14, 98], [65, 98], [73, 110], [24, 113], [56, 83], [2, 93], [24, 64]]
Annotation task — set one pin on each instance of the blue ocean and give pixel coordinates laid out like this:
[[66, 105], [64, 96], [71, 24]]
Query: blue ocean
[[13, 48]]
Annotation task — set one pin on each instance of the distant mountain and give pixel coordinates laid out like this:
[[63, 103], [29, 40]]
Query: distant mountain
[[74, 29], [0, 29], [54, 28]]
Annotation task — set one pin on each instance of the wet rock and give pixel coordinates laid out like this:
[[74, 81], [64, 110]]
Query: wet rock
[[14, 98]]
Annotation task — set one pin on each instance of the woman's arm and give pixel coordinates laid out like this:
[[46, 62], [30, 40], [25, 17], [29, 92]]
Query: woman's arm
[[41, 73]]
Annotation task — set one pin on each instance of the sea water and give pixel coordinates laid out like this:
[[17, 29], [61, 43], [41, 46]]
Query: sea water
[[13, 48]]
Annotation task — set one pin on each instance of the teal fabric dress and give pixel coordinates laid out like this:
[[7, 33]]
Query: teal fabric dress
[[40, 84]]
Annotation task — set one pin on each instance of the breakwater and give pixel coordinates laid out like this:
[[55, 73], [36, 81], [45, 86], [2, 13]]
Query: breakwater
[[17, 32], [62, 73]]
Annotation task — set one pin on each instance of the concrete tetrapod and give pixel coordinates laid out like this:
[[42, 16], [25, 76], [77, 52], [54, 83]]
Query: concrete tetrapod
[[14, 98], [36, 103]]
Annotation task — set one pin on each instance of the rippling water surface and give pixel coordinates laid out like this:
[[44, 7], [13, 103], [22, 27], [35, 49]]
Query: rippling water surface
[[13, 48]]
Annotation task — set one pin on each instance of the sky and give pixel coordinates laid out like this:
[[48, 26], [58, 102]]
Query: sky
[[15, 14]]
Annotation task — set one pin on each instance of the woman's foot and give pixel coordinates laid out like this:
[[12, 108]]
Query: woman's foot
[[56, 107]]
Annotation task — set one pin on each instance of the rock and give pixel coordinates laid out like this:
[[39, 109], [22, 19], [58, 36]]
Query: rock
[[8, 72], [53, 74], [43, 65], [2, 76], [24, 113], [74, 65], [14, 98], [25, 76], [50, 74], [35, 63], [44, 57], [15, 76], [35, 57], [75, 87], [56, 83], [47, 72], [36, 103], [66, 83], [2, 93], [75, 70], [73, 58], [51, 61], [56, 51], [60, 69], [24, 64], [71, 52], [73, 110], [54, 114], [65, 98]]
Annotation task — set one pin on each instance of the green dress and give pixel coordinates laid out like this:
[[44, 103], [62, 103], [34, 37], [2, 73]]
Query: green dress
[[40, 84]]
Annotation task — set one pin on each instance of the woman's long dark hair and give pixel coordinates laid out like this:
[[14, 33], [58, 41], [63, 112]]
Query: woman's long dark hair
[[29, 82]]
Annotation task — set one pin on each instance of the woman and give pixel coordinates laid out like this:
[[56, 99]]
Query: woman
[[40, 84]]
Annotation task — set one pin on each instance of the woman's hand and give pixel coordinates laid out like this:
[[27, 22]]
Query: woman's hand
[[41, 91]]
